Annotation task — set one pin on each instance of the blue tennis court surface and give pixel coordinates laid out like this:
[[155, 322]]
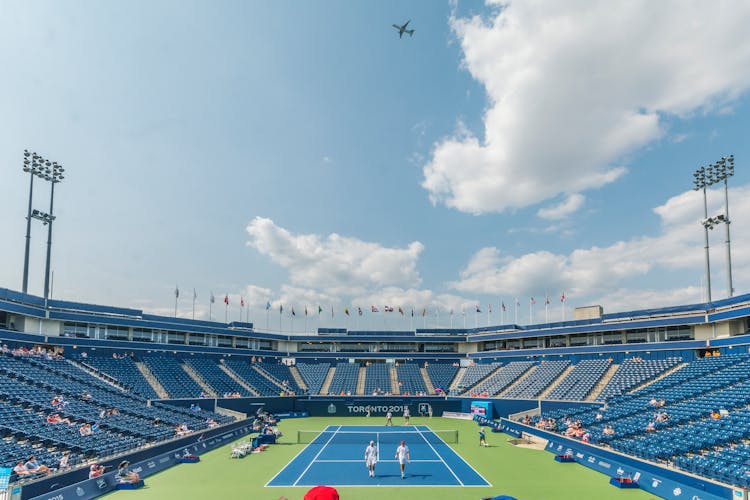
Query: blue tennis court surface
[[335, 457]]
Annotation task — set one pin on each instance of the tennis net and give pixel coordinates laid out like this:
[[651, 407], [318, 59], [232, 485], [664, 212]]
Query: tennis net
[[383, 437]]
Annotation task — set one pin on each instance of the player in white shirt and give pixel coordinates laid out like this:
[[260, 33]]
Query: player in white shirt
[[407, 414], [403, 456], [371, 458], [389, 418]]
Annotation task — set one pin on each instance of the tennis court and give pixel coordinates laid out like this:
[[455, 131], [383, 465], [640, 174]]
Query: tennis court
[[335, 457]]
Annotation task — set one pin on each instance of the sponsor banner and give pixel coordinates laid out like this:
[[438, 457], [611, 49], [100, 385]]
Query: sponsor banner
[[349, 407], [665, 483], [92, 488]]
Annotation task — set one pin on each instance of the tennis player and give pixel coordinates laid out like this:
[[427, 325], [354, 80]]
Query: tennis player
[[482, 437], [407, 415], [371, 458], [389, 418], [403, 456]]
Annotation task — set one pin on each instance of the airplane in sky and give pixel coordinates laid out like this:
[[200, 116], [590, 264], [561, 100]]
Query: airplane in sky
[[402, 29]]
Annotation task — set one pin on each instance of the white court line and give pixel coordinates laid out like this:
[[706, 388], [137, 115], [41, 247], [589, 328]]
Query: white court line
[[292, 460], [379, 461], [462, 458], [441, 458], [316, 456]]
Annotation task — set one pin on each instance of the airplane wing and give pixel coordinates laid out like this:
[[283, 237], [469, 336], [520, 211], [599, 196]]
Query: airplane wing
[[397, 26], [406, 23]]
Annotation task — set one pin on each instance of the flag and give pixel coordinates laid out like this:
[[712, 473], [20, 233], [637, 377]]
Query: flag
[[489, 308], [332, 311], [226, 299], [242, 301], [502, 304], [374, 309], [359, 311], [268, 306], [320, 310], [213, 299], [412, 312], [346, 311], [424, 312], [400, 310], [388, 309], [546, 300], [518, 302], [478, 310], [451, 313], [533, 301], [176, 293], [305, 309], [293, 313], [562, 299], [281, 308], [195, 295]]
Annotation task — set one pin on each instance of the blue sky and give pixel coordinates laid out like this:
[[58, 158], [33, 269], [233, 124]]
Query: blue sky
[[301, 153]]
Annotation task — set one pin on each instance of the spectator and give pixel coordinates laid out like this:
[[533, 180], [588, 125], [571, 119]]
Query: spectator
[[95, 471], [21, 470], [63, 464], [35, 467], [125, 475], [55, 418]]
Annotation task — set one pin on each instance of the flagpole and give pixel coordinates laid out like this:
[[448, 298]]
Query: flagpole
[[515, 311], [194, 296], [176, 296], [210, 306], [266, 318]]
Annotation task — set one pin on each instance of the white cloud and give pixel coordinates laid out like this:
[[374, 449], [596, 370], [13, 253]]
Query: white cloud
[[335, 262], [610, 275], [574, 87], [568, 206]]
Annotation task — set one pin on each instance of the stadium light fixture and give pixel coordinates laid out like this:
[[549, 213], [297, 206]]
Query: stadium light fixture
[[700, 177], [722, 171], [719, 171], [37, 166]]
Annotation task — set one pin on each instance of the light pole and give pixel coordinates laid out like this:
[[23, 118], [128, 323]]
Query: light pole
[[32, 165], [36, 165], [722, 170], [53, 172], [700, 180]]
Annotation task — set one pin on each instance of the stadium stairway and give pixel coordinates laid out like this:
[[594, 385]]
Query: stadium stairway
[[599, 387], [327, 382], [654, 380], [238, 379], [298, 378], [468, 390], [427, 381], [395, 388], [518, 381], [456, 382], [268, 376], [199, 380], [361, 378], [92, 371], [155, 384], [556, 382]]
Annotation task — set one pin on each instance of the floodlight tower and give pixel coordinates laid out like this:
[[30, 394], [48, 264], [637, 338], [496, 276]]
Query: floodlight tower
[[723, 170], [37, 166], [700, 178]]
